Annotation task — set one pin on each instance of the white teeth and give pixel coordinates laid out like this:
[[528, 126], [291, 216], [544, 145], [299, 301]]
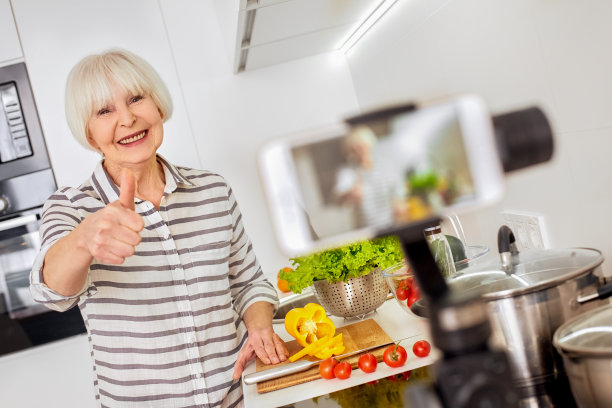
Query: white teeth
[[133, 138]]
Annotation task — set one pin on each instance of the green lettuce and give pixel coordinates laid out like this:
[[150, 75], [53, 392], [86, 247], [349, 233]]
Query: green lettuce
[[341, 264]]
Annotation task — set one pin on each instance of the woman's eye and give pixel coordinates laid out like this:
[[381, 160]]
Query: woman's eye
[[136, 98], [103, 111]]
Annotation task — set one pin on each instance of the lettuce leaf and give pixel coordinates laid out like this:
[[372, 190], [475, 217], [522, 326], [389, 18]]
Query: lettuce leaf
[[343, 263]]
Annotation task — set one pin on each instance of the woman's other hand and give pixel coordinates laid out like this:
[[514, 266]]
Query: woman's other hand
[[112, 234], [262, 341]]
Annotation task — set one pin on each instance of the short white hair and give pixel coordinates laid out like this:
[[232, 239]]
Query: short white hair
[[360, 135], [90, 83]]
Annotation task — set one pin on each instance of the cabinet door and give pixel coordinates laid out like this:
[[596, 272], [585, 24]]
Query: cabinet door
[[10, 49]]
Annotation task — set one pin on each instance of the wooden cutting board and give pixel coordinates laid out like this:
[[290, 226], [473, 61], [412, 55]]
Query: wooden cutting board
[[355, 336]]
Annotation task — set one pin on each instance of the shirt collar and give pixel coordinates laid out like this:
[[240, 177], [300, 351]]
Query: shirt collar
[[108, 191]]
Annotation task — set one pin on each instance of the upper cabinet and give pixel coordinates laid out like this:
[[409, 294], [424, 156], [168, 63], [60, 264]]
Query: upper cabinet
[[275, 31], [10, 49]]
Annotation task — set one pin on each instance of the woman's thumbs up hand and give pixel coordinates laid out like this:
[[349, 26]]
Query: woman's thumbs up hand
[[127, 189], [112, 233]]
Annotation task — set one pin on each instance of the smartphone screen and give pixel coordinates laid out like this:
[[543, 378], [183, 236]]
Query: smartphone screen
[[387, 171], [384, 170]]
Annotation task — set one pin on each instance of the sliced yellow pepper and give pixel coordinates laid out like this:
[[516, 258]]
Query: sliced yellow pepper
[[310, 349], [309, 324], [333, 347]]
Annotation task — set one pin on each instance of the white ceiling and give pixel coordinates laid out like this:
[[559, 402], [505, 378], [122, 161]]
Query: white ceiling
[[275, 31]]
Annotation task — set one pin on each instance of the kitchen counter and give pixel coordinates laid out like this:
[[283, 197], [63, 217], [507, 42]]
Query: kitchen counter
[[393, 320]]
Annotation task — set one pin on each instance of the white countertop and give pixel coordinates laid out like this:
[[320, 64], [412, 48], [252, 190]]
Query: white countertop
[[394, 321]]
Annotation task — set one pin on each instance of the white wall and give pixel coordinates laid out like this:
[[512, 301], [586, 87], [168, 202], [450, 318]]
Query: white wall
[[514, 53], [10, 49]]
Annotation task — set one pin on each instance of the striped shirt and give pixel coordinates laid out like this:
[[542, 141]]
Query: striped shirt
[[164, 327]]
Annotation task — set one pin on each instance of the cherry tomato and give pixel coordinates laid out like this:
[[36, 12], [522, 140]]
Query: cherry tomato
[[367, 363], [406, 283], [421, 348], [326, 368], [402, 293], [415, 289], [342, 370], [400, 377], [412, 298], [395, 356]]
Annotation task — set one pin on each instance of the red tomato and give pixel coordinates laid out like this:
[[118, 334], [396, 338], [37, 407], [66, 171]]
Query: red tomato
[[401, 376], [421, 348], [412, 298], [326, 368], [402, 293], [367, 363], [415, 289], [406, 283], [395, 356], [342, 370]]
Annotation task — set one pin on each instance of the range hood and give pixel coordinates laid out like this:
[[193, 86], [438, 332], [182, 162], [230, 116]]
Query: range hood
[[276, 31]]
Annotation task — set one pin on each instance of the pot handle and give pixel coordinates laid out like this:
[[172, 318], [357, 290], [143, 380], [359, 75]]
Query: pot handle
[[603, 292], [506, 245]]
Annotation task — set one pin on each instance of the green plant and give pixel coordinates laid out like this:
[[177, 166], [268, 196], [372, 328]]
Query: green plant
[[341, 264]]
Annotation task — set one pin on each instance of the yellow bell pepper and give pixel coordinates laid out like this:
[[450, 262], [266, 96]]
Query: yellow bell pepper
[[322, 348], [309, 324], [310, 349], [333, 347]]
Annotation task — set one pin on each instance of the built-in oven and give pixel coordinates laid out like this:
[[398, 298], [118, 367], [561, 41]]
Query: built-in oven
[[26, 181]]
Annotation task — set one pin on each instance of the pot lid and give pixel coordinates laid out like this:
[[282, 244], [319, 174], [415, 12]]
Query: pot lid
[[590, 334], [531, 271]]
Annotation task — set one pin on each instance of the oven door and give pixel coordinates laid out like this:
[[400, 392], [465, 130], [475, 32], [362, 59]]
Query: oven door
[[18, 249], [23, 322]]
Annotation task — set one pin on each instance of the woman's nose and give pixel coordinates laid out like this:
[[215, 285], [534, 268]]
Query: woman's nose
[[126, 116]]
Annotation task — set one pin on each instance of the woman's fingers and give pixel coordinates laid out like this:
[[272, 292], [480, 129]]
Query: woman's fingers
[[113, 233], [269, 347], [281, 349], [127, 236], [244, 356], [266, 345]]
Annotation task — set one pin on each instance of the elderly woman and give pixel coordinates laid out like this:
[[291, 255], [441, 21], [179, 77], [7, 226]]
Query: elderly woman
[[155, 255]]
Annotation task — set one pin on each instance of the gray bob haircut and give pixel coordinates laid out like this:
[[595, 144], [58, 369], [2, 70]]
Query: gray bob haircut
[[90, 83]]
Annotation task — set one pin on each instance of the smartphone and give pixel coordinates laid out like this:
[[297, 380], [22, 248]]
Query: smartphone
[[350, 181]]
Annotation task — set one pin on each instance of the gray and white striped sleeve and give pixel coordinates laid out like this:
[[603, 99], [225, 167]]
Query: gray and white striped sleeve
[[59, 218], [248, 284]]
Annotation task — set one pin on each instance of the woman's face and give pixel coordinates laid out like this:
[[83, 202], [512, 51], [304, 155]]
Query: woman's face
[[128, 130]]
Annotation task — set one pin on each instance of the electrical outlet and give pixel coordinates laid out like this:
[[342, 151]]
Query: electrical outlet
[[529, 229]]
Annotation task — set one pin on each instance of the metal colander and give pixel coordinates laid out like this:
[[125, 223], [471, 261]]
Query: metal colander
[[355, 297]]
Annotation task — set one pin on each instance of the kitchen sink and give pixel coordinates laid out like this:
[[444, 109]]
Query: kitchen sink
[[288, 303], [297, 300]]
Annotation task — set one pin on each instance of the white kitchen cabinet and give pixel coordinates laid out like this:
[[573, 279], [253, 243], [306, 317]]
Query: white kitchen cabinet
[[10, 49]]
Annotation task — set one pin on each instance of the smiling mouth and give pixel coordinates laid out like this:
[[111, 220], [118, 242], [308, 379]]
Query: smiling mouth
[[134, 138]]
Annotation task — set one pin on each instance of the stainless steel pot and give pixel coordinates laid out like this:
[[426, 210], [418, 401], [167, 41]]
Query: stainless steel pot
[[528, 296], [585, 343]]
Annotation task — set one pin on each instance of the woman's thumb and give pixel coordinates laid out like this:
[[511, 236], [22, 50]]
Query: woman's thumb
[[127, 189]]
